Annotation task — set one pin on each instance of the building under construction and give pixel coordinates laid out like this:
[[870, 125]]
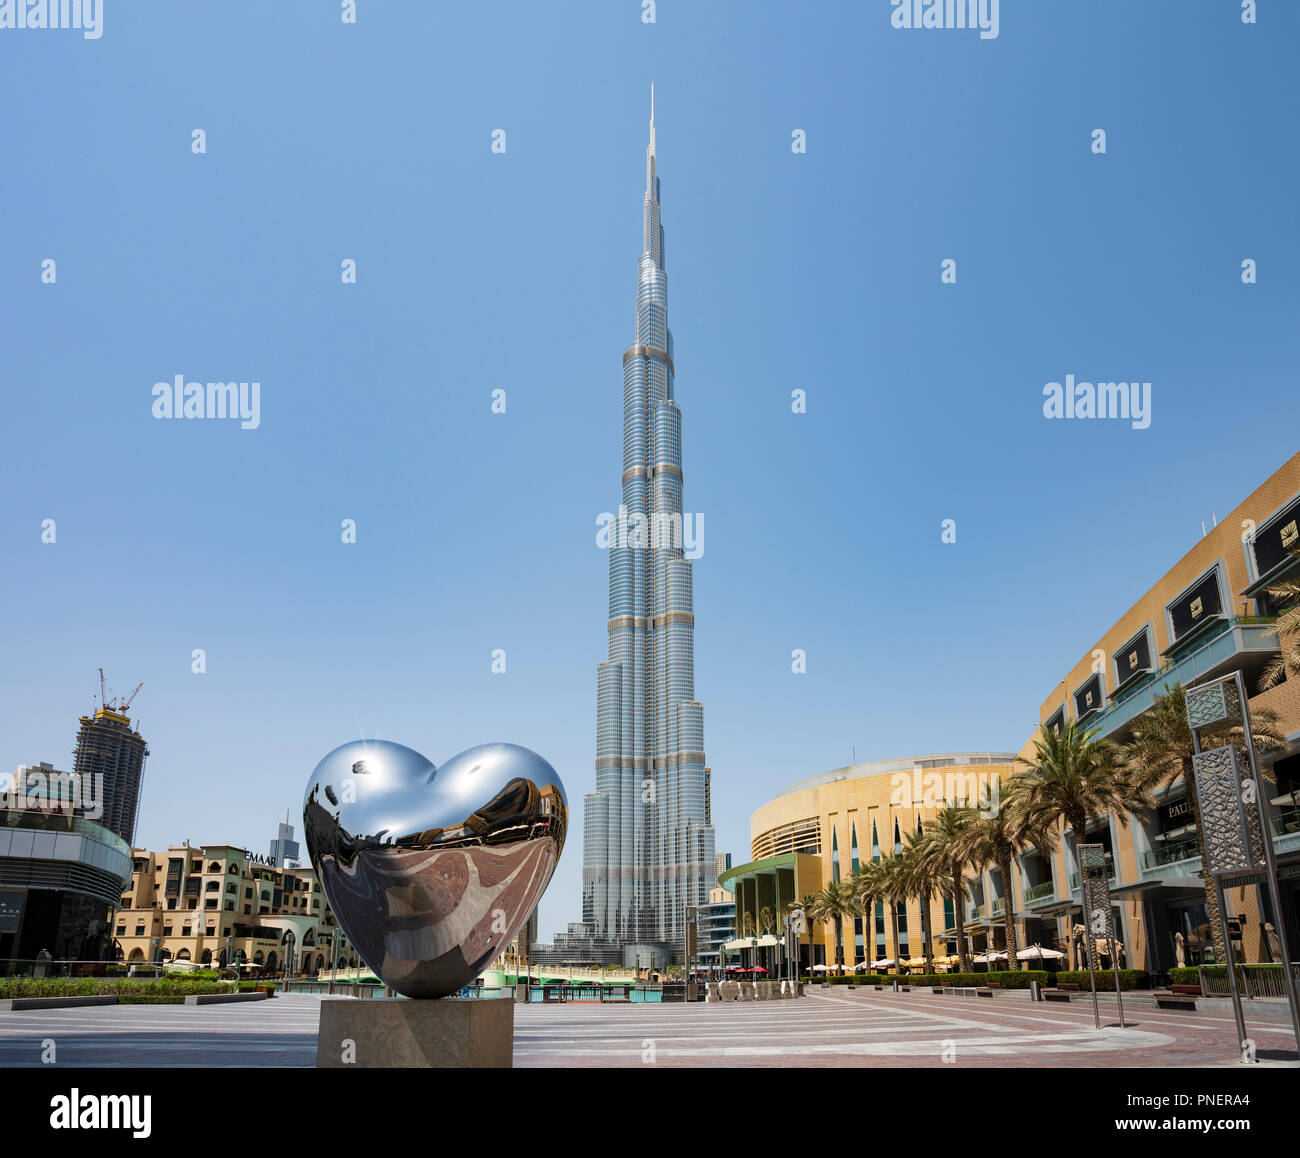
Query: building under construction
[[109, 748]]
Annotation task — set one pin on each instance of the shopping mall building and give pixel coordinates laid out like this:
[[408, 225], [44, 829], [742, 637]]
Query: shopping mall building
[[1209, 615]]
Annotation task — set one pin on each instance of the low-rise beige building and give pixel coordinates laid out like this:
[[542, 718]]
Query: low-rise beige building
[[219, 905]]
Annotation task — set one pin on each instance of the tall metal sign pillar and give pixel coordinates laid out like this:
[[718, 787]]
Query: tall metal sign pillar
[[1098, 919], [1238, 845]]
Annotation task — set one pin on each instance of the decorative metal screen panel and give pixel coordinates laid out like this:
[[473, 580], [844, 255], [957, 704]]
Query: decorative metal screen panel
[[1092, 856], [1234, 840], [1096, 891], [1096, 908], [1216, 703]]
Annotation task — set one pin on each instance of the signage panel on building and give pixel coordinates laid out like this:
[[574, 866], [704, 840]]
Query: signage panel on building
[[11, 911]]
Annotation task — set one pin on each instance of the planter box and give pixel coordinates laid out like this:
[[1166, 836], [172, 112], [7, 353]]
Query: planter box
[[16, 1003], [224, 998]]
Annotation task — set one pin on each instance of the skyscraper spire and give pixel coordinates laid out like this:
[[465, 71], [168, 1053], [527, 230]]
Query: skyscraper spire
[[652, 118]]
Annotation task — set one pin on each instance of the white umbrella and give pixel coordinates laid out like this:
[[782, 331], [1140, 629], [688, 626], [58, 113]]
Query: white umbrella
[[883, 963], [997, 955], [1037, 952], [821, 968]]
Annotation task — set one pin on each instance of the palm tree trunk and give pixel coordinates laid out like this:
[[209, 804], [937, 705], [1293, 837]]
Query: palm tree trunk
[[926, 930], [839, 946], [963, 959], [1008, 917], [893, 924], [1211, 899]]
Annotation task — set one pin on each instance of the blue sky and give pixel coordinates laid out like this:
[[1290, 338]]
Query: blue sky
[[480, 271]]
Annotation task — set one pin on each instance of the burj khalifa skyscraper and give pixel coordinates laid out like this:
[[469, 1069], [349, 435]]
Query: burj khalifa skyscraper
[[648, 827]]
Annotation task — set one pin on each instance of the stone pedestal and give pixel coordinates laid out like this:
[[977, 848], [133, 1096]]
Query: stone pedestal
[[399, 1033]]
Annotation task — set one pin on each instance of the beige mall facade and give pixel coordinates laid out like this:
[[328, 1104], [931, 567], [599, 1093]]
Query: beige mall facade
[[822, 828]]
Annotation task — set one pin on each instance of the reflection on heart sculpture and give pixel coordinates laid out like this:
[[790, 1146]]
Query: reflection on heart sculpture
[[432, 871]]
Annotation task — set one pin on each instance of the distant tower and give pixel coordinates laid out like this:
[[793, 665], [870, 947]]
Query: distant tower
[[284, 848], [108, 747]]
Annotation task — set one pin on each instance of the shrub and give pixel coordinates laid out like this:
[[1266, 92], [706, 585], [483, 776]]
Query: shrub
[[1191, 975], [133, 989], [1128, 979]]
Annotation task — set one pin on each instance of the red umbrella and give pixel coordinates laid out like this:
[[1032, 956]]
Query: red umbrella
[[758, 969]]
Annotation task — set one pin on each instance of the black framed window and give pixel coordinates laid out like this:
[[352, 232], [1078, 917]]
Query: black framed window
[[1196, 605], [1277, 538], [1088, 698], [1056, 721], [1133, 658]]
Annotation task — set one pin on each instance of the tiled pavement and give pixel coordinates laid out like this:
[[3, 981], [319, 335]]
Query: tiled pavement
[[867, 1029]]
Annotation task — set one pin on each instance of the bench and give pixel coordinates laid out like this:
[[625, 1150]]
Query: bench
[[938, 990], [1068, 986], [1055, 995], [1175, 1001], [985, 992], [1186, 990]]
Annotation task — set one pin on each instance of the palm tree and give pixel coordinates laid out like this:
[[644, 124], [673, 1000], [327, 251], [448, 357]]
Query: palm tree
[[747, 927], [1073, 776], [808, 902], [885, 880], [1285, 665], [943, 849], [835, 903], [925, 880], [864, 885], [997, 837], [1160, 752]]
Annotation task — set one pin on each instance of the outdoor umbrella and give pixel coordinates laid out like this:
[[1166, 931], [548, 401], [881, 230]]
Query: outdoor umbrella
[[1038, 953]]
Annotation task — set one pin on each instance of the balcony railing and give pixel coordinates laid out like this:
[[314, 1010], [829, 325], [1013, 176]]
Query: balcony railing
[[1039, 892], [1076, 879], [999, 905], [976, 912], [1170, 854], [1286, 821]]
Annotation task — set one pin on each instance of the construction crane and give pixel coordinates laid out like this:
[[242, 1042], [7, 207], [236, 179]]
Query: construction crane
[[114, 706]]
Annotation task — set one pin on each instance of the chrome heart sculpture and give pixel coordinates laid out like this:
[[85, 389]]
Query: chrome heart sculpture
[[430, 871]]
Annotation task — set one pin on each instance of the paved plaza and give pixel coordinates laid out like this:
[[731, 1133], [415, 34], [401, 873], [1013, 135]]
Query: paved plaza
[[869, 1029]]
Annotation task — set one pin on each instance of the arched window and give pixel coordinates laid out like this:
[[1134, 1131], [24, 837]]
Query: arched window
[[183, 955], [206, 958], [257, 957], [214, 867]]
